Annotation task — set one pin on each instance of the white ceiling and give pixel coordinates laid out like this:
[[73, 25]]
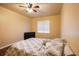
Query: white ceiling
[[46, 9]]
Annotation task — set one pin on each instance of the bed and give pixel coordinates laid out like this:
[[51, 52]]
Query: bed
[[32, 46]]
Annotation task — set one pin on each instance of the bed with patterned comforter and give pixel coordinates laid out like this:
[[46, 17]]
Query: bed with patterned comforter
[[37, 47]]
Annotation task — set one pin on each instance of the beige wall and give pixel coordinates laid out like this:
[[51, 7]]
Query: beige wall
[[54, 26], [12, 26], [70, 25]]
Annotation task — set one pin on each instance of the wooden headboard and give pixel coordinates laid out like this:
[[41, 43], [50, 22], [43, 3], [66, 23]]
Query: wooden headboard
[[29, 35]]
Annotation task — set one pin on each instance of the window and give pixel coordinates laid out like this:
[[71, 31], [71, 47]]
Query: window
[[43, 26]]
